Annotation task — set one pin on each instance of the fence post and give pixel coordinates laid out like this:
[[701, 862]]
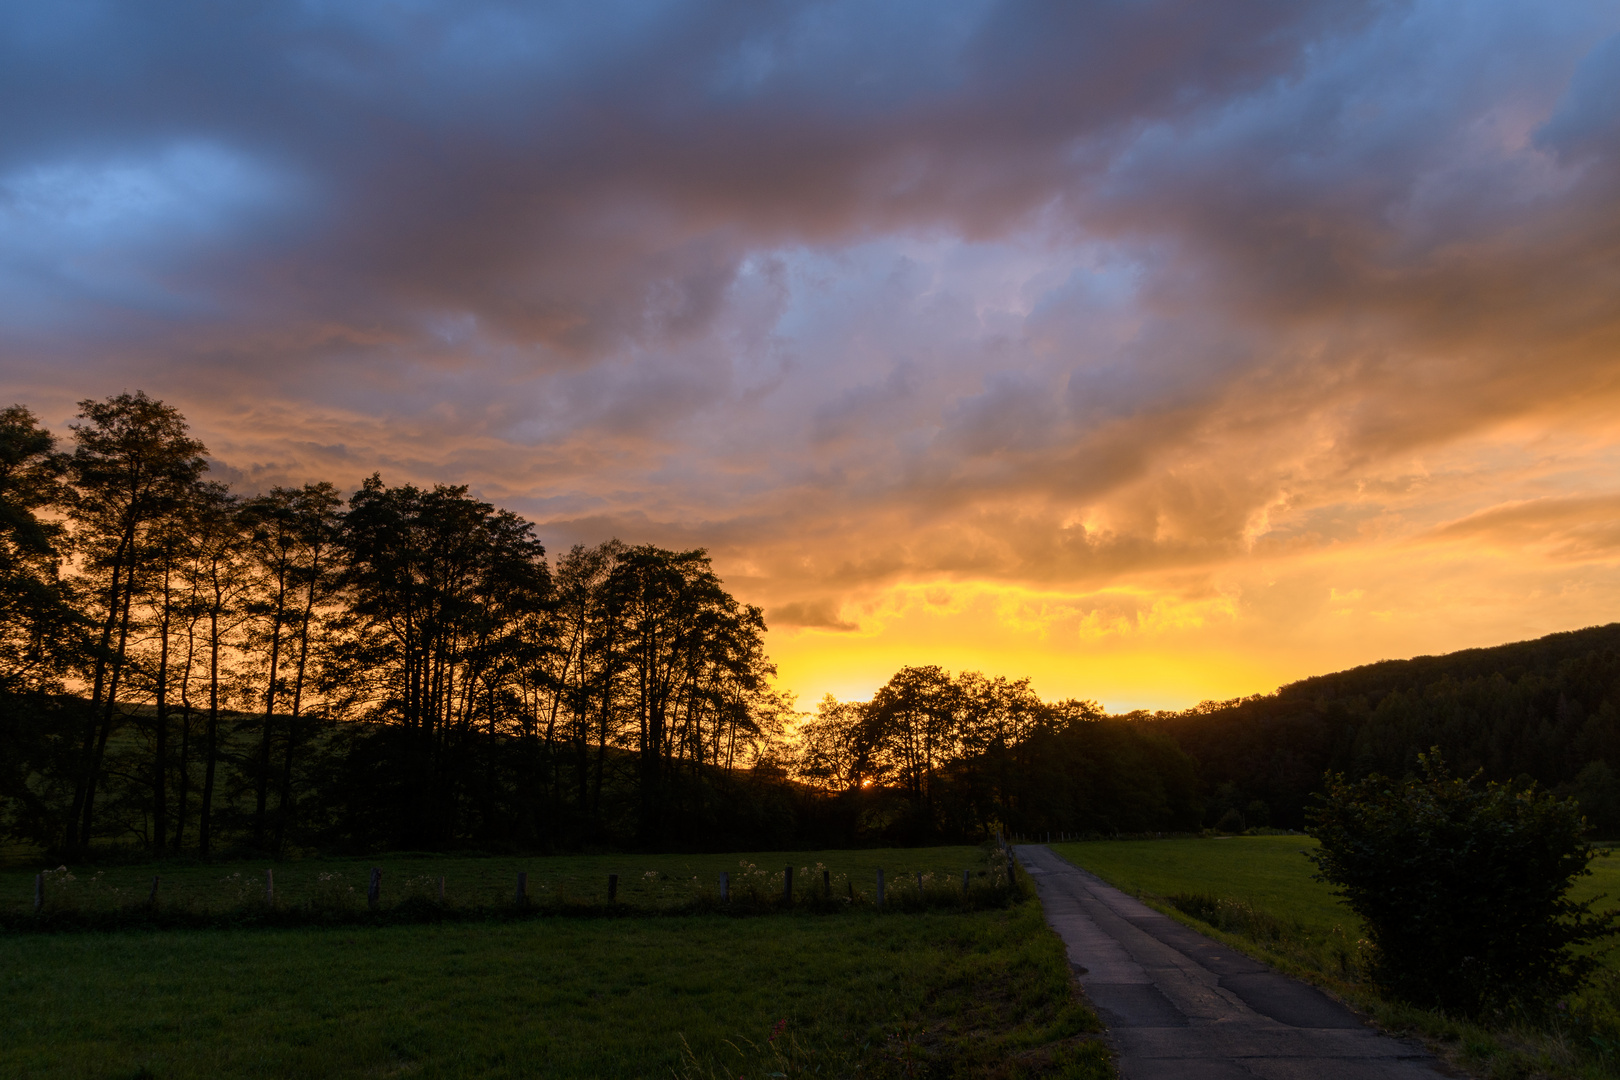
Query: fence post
[[725, 886], [39, 892], [522, 896], [151, 899], [787, 886], [965, 874], [880, 891], [269, 888], [374, 889], [441, 888], [826, 884], [613, 887]]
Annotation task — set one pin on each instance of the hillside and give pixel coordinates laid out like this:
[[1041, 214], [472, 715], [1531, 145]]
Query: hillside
[[1546, 710]]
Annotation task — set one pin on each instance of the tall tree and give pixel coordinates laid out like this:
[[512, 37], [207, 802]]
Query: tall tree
[[41, 633], [318, 523], [36, 620], [683, 636], [290, 532], [578, 671], [167, 600], [438, 585], [914, 716], [223, 573], [134, 463]]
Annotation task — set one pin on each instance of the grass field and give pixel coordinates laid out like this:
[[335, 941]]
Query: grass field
[[1259, 892], [969, 993]]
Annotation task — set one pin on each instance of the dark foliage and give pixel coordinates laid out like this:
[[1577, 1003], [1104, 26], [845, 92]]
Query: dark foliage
[[216, 674], [1463, 886], [932, 756]]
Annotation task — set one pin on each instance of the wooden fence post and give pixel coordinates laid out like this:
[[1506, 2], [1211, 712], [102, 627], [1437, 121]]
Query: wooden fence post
[[725, 886], [39, 892], [613, 887], [826, 884], [965, 874], [522, 896], [441, 888], [269, 888], [880, 891], [374, 889], [787, 886], [151, 899]]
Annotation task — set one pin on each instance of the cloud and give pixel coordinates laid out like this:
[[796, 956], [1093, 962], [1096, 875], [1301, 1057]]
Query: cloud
[[815, 614], [1114, 299], [1563, 528]]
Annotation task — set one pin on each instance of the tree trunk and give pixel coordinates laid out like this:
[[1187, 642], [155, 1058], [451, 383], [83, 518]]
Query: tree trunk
[[160, 741], [210, 739], [84, 784], [109, 715], [263, 777]]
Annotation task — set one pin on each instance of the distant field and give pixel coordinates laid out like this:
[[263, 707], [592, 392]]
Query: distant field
[[645, 881], [1268, 871]]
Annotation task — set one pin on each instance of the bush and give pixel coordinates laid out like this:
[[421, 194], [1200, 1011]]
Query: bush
[[1463, 887]]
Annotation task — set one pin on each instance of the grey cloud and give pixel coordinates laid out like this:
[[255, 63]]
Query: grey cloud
[[798, 281], [571, 174], [816, 614], [1587, 121]]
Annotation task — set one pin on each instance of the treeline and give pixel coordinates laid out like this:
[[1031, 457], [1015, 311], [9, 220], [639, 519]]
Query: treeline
[[1546, 710], [188, 669]]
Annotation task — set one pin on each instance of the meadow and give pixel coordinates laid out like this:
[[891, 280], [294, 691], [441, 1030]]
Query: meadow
[[1259, 893], [812, 991]]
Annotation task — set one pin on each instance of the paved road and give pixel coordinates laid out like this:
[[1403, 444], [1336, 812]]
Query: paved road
[[1180, 1006]]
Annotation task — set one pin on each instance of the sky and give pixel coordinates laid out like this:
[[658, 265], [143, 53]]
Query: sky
[[1157, 350]]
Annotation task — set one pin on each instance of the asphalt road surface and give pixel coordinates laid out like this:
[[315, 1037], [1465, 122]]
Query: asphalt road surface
[[1180, 1006]]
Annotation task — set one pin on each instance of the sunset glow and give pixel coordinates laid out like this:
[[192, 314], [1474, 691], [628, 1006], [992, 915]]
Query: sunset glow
[[1156, 351]]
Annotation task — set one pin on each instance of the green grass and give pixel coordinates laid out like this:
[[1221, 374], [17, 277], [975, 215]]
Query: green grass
[[948, 993], [646, 882], [1258, 893], [1268, 871]]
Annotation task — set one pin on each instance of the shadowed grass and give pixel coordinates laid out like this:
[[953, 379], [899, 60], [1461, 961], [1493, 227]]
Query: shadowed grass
[[926, 993]]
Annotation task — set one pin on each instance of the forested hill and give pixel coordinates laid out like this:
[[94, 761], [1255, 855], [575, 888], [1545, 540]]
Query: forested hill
[[1547, 709]]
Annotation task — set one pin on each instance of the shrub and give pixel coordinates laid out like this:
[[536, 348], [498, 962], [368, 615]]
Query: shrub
[[1463, 886]]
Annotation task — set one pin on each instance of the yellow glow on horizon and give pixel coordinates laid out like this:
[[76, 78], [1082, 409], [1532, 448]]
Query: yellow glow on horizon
[[1246, 628], [1109, 646]]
